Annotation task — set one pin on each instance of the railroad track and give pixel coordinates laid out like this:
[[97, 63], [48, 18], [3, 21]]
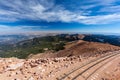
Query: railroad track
[[90, 75], [82, 72]]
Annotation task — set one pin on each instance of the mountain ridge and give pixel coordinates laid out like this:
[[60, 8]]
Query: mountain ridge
[[80, 47]]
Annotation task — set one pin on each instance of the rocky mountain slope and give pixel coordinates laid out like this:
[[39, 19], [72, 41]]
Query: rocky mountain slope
[[80, 47], [53, 66], [86, 48], [48, 68]]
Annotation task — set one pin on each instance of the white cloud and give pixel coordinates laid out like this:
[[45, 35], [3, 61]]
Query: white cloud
[[104, 19], [47, 10], [111, 9], [102, 2], [38, 8]]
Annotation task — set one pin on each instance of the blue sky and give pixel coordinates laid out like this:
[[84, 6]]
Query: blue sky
[[90, 16]]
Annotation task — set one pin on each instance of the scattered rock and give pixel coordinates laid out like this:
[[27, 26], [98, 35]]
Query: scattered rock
[[40, 69], [15, 66], [31, 78]]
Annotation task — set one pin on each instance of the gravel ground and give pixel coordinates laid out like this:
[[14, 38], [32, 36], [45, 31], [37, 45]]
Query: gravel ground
[[48, 68]]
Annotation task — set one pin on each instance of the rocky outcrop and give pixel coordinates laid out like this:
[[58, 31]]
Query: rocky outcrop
[[34, 69]]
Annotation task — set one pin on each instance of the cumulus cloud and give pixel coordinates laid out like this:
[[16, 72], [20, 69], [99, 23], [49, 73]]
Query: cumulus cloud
[[47, 10], [104, 19]]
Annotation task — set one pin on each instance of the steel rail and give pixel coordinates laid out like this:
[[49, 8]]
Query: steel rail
[[98, 69]]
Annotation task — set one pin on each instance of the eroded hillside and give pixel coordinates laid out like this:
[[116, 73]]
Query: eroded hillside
[[80, 47]]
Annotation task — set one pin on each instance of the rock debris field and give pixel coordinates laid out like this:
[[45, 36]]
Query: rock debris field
[[44, 68]]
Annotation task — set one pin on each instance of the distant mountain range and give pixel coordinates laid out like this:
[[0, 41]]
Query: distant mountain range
[[12, 39], [22, 46]]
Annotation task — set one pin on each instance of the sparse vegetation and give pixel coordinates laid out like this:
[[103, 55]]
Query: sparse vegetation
[[50, 43], [33, 46]]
